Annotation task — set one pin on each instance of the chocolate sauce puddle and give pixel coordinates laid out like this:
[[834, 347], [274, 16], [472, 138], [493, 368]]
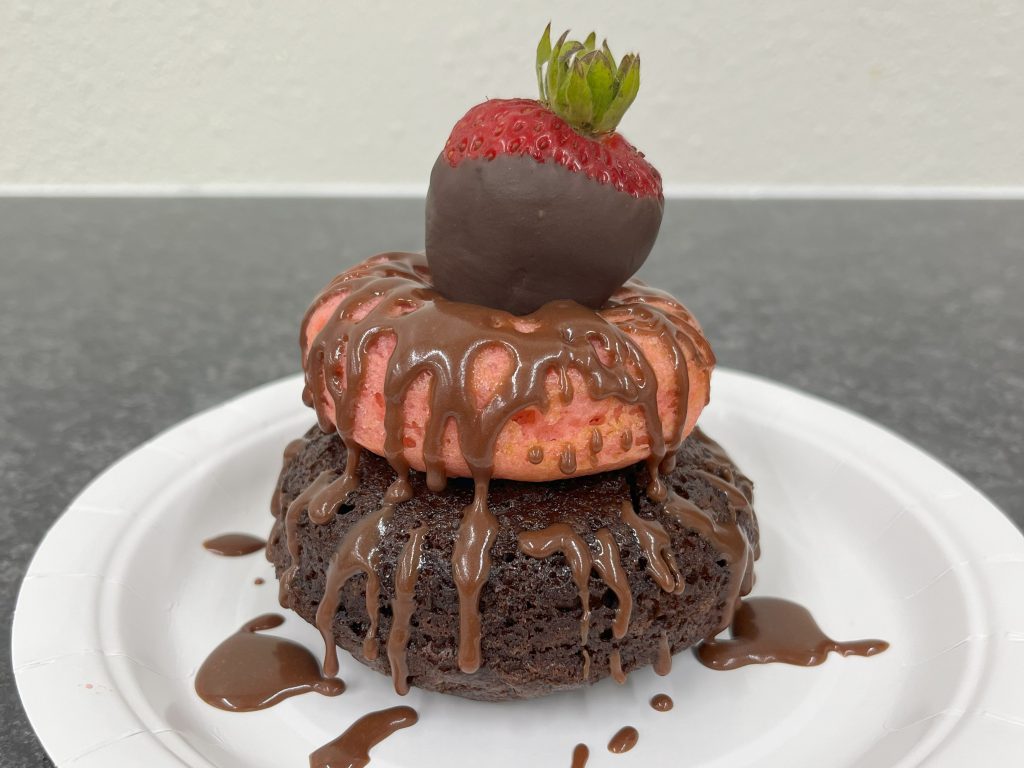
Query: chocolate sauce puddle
[[662, 702], [766, 630], [234, 544], [580, 755], [250, 671], [624, 740], [352, 748]]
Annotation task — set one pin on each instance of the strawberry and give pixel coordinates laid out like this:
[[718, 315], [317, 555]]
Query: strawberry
[[517, 127], [532, 201]]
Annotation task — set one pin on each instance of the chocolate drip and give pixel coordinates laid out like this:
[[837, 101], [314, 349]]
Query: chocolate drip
[[656, 545], [626, 440], [663, 664], [586, 663], [615, 666], [249, 671], [471, 563], [357, 553], [624, 740], [730, 539], [567, 461], [739, 497], [560, 537], [535, 455], [769, 629], [325, 504], [609, 568], [662, 702], [352, 748], [390, 297], [291, 528], [580, 755], [234, 544], [402, 607], [596, 441]]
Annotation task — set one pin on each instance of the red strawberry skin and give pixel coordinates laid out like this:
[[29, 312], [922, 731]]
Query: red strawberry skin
[[525, 127]]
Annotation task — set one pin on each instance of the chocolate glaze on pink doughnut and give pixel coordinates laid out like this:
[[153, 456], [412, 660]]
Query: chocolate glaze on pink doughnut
[[434, 385], [545, 404]]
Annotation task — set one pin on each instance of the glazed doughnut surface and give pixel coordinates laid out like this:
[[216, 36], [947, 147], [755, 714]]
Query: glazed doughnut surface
[[458, 389]]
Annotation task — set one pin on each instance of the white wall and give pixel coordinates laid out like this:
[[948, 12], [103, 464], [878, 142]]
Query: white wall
[[735, 92]]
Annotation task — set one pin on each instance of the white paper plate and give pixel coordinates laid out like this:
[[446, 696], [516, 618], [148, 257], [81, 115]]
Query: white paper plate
[[121, 604]]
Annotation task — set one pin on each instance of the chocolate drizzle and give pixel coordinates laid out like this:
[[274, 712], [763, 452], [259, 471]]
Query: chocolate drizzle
[[626, 440], [358, 553], [291, 525], [561, 538], [663, 664], [471, 563], [609, 568], [535, 455], [657, 549], [729, 539], [402, 607], [249, 671], [769, 629], [580, 755], [615, 666], [234, 544], [567, 460], [596, 441], [352, 748]]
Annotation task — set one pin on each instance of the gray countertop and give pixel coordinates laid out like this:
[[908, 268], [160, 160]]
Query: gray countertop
[[121, 317]]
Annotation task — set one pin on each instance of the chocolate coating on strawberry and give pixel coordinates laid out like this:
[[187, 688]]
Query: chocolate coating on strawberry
[[533, 201], [514, 234]]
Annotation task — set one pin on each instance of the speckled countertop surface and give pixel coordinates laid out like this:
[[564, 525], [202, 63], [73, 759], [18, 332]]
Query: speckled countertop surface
[[121, 317]]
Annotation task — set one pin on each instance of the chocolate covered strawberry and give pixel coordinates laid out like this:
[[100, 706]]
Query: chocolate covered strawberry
[[536, 200]]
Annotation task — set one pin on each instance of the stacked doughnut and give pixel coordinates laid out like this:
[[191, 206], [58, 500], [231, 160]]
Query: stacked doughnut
[[501, 506], [506, 493]]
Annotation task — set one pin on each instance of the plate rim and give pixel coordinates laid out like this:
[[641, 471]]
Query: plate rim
[[28, 619]]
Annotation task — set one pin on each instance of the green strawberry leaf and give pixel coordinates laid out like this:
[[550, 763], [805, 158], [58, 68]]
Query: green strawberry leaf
[[578, 98], [583, 84], [543, 56], [601, 81], [552, 73]]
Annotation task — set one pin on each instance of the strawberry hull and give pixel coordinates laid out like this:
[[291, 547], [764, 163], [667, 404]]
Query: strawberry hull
[[514, 233]]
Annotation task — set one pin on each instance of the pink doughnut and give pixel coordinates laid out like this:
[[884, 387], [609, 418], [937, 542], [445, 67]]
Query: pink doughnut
[[462, 390]]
